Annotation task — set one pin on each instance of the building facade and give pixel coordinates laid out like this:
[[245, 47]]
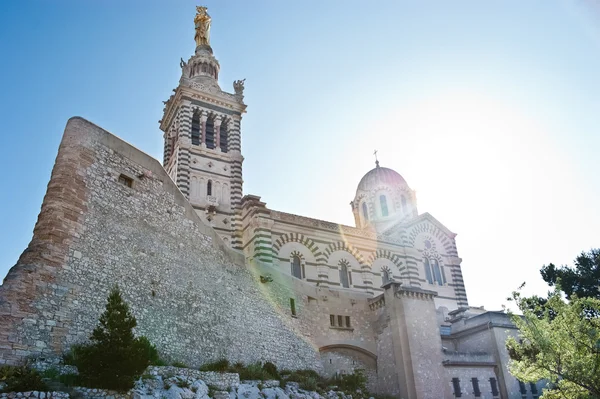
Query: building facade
[[211, 274], [394, 264]]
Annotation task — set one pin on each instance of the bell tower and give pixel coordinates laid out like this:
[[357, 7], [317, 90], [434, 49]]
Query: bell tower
[[201, 125]]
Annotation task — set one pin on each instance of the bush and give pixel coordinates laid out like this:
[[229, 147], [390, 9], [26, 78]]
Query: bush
[[353, 382], [51, 373], [70, 380], [220, 365], [21, 379], [115, 358], [253, 371], [271, 369]]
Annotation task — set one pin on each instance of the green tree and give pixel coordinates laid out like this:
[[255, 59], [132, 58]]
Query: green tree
[[559, 342], [115, 357], [582, 280]]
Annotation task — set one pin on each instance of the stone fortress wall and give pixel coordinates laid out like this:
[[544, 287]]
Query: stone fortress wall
[[191, 295]]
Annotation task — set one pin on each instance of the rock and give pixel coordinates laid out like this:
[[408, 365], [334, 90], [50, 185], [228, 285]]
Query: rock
[[200, 388], [175, 392], [270, 383], [247, 391]]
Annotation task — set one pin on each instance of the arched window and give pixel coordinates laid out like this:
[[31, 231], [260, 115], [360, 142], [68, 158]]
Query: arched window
[[210, 133], [209, 188], [384, 207], [345, 274], [403, 199], [196, 129], [365, 211], [223, 137], [438, 272], [296, 267], [428, 274]]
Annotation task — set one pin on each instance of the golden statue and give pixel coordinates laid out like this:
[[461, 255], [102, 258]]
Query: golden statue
[[202, 23]]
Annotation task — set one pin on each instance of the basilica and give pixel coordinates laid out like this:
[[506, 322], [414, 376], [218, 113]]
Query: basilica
[[212, 272]]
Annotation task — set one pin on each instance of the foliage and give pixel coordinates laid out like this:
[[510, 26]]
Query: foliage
[[583, 280], [115, 358], [51, 373], [151, 352], [180, 365], [182, 383], [70, 380], [559, 342], [253, 371], [271, 369], [308, 380], [221, 365], [357, 381], [21, 379]]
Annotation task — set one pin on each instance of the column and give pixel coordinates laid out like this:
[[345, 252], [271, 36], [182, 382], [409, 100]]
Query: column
[[218, 133], [203, 118]]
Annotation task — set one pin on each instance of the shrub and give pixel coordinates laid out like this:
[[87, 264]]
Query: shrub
[[353, 382], [220, 365], [51, 373], [253, 371], [115, 358], [21, 379], [182, 383], [70, 380], [271, 369]]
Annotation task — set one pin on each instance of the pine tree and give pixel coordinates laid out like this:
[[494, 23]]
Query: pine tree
[[115, 357]]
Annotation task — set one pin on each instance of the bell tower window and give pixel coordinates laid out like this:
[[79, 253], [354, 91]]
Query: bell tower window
[[384, 207], [210, 133], [209, 188], [365, 211], [196, 129], [223, 137]]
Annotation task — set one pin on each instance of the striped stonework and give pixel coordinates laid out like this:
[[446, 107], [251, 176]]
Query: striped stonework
[[343, 246], [426, 227], [262, 245], [183, 153], [236, 183], [384, 253], [300, 238], [459, 286]]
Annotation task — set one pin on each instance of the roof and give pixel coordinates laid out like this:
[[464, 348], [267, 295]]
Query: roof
[[378, 176]]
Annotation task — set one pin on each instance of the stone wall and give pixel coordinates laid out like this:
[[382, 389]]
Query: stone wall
[[194, 298], [465, 376], [340, 361]]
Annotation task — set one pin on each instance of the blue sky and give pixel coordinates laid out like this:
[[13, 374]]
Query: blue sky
[[490, 110]]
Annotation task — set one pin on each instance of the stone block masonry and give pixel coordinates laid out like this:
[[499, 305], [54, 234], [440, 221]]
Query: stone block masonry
[[191, 295]]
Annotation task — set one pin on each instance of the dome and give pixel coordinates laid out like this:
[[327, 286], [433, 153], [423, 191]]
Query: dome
[[376, 177]]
